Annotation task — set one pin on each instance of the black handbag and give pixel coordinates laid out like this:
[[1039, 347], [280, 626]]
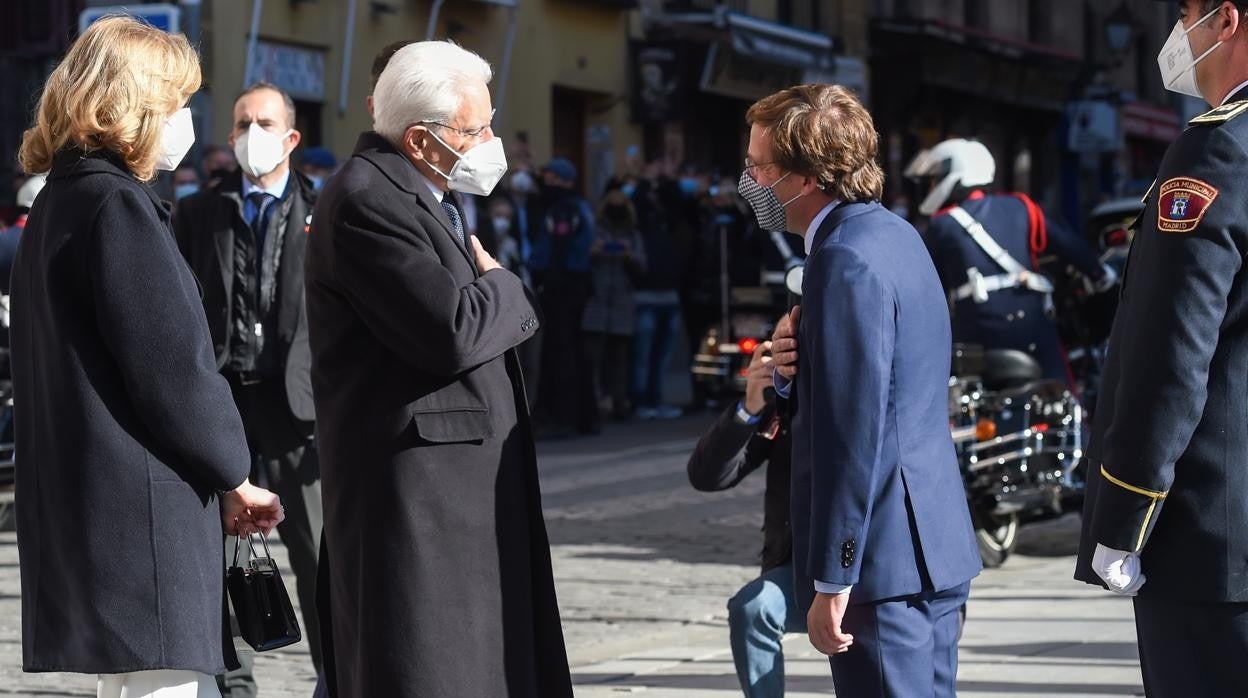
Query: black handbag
[[266, 617]]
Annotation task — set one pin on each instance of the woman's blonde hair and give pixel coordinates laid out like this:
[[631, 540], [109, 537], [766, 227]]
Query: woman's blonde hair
[[114, 91], [823, 131]]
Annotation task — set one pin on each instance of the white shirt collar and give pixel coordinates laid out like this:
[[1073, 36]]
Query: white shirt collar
[[1237, 88], [434, 189], [818, 221], [277, 190]]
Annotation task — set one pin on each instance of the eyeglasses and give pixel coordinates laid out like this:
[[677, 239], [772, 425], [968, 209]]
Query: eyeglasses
[[751, 166], [469, 132]]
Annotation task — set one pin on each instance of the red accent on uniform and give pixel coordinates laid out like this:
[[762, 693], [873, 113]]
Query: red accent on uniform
[[1038, 232], [973, 196]]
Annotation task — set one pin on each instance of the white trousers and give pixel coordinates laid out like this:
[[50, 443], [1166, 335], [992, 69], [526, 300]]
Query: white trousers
[[164, 683]]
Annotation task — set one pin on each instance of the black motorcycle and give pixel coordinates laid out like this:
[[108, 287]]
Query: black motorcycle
[[1019, 441]]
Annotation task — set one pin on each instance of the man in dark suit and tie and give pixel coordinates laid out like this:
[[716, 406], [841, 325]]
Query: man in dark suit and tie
[[883, 546], [245, 239], [435, 571]]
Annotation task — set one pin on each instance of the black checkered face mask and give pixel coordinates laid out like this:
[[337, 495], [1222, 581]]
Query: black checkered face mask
[[768, 208]]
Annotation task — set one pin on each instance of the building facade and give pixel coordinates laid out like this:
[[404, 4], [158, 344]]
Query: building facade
[[1064, 92]]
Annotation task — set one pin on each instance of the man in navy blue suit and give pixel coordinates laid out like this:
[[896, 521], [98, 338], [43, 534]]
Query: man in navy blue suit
[[883, 546]]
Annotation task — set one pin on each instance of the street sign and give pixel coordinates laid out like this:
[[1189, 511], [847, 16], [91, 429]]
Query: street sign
[[164, 16]]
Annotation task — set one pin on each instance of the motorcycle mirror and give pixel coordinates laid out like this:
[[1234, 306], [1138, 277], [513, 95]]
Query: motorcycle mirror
[[793, 280]]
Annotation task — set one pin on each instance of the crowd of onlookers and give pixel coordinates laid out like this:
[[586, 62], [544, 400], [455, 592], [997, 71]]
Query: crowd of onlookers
[[619, 279], [625, 279]]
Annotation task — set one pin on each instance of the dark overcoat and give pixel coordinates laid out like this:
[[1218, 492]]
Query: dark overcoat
[[436, 577], [206, 224], [125, 433]]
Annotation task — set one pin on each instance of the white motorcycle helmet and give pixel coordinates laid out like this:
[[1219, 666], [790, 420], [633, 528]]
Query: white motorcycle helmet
[[957, 162]]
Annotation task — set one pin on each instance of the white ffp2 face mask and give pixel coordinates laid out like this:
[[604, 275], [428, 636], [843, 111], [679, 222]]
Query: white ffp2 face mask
[[478, 169], [1178, 67], [259, 152], [176, 141]]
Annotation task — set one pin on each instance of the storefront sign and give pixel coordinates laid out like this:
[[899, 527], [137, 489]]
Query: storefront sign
[[657, 96], [296, 69], [1140, 120]]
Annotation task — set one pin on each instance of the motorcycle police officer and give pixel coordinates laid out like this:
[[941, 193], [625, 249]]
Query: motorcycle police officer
[[986, 247], [1167, 499]]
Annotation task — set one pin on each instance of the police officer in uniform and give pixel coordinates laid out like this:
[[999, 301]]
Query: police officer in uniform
[[1167, 501], [986, 246]]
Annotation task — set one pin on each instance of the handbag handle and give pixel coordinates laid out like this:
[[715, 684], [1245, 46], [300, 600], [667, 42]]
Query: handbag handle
[[251, 547]]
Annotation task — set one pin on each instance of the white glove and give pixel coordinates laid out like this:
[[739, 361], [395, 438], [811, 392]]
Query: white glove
[[1119, 568], [1108, 281]]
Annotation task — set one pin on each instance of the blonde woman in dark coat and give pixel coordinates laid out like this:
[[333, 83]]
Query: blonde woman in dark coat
[[132, 456]]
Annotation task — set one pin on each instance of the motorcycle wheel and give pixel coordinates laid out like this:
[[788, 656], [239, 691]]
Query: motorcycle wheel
[[997, 537]]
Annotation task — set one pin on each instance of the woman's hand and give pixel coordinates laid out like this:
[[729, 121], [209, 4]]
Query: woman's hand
[[248, 509]]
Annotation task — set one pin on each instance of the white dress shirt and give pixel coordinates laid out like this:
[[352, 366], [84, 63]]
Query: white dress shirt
[[1235, 89], [276, 190], [438, 193]]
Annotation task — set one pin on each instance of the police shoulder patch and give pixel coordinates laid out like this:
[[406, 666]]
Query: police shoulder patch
[[1226, 112], [1182, 204]]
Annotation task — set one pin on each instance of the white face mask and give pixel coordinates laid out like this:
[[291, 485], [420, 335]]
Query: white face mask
[[259, 152], [522, 183], [176, 141], [1178, 68], [478, 170]]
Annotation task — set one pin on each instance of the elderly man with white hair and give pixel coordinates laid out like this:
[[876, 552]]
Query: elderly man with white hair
[[435, 567]]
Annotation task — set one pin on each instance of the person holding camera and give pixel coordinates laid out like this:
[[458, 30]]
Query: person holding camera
[[748, 435]]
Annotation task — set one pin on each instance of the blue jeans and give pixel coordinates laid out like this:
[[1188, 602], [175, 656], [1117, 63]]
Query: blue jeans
[[654, 329], [758, 617]]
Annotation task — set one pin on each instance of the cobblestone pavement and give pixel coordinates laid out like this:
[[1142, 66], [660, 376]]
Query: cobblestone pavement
[[644, 565]]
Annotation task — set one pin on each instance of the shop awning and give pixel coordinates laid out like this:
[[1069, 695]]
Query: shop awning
[[749, 58], [777, 43], [926, 53]]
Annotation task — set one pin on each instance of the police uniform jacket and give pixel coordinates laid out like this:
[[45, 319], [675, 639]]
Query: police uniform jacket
[[1008, 311], [1168, 474]]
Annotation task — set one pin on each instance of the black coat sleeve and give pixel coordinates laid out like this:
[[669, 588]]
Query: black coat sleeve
[[407, 297], [729, 451], [153, 324], [1166, 331]]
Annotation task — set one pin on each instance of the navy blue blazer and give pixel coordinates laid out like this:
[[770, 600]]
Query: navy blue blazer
[[877, 494]]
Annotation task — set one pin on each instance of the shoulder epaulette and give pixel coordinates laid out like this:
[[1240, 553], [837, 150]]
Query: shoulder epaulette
[[1224, 113]]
